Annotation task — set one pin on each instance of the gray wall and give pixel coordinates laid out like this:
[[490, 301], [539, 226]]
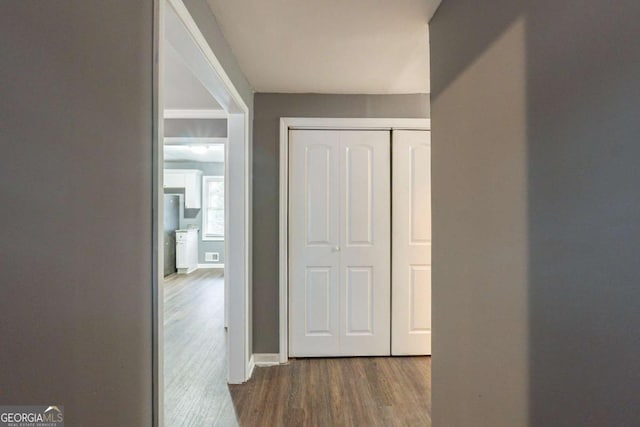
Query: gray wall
[[216, 128], [76, 132], [536, 214], [269, 107], [193, 217]]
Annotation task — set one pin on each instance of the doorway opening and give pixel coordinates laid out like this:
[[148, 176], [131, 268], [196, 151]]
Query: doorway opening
[[201, 297]]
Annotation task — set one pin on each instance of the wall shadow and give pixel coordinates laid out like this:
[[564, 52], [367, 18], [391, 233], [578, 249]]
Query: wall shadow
[[539, 259], [479, 214]]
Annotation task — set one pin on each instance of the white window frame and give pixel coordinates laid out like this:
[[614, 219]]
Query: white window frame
[[205, 206]]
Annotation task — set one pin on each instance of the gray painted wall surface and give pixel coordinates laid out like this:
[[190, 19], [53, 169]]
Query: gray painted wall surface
[[269, 107], [195, 127], [76, 132], [193, 217], [536, 214]]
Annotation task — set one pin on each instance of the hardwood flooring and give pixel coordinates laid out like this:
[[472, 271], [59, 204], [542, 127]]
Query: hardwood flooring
[[362, 391], [195, 367]]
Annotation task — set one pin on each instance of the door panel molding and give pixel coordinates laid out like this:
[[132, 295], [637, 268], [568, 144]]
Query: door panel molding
[[359, 323], [314, 186], [358, 233], [318, 301]]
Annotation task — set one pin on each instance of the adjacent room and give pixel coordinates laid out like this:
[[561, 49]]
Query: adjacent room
[[195, 134]]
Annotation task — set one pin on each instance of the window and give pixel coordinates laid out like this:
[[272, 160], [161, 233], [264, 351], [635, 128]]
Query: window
[[213, 208]]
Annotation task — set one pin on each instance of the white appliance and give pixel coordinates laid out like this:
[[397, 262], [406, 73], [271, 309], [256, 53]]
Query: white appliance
[[186, 250]]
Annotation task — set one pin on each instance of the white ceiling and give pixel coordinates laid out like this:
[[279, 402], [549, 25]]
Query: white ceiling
[[182, 90], [194, 153], [330, 46]]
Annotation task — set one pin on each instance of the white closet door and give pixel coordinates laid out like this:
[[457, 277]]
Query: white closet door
[[411, 262], [365, 226], [313, 238], [339, 248]]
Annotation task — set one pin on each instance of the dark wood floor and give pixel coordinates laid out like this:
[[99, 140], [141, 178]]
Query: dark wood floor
[[367, 391], [363, 391]]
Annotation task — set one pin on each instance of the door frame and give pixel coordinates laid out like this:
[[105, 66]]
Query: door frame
[[289, 123], [172, 18]]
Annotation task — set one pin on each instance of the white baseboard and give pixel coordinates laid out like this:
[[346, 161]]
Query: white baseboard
[[266, 359], [209, 265], [252, 365]]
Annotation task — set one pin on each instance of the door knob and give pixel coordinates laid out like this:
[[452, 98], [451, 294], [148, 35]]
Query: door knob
[[336, 248]]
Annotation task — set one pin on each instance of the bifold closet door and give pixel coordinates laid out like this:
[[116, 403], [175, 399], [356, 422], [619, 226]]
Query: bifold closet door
[[339, 243], [411, 259]]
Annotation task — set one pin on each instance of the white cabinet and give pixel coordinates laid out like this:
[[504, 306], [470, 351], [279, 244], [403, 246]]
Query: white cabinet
[[193, 189], [186, 250], [190, 180], [173, 179]]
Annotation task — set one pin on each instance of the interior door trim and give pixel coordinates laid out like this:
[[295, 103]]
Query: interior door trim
[[286, 124]]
